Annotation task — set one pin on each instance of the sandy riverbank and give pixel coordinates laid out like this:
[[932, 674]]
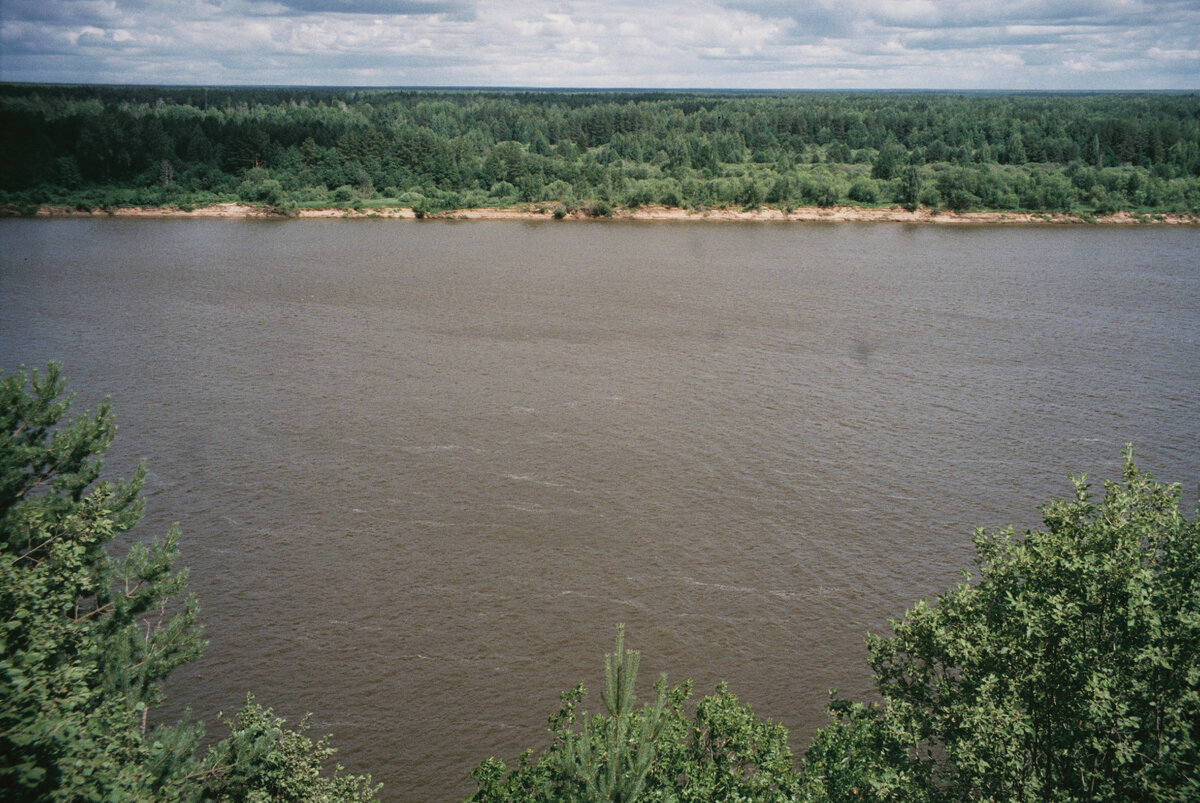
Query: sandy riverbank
[[833, 214]]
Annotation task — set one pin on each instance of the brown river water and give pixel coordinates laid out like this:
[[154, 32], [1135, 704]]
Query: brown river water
[[423, 469]]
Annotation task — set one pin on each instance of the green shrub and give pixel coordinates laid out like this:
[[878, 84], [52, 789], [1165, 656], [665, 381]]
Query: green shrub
[[864, 191], [503, 189], [930, 197]]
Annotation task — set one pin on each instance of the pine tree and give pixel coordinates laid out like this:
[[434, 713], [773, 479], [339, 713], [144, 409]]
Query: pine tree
[[610, 763], [86, 640], [654, 752]]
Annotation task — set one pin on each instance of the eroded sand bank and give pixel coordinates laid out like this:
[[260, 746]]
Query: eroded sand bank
[[833, 214]]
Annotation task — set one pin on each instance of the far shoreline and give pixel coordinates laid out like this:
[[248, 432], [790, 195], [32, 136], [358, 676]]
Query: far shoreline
[[547, 211]]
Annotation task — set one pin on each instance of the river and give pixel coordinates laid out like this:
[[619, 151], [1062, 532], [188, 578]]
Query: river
[[423, 469]]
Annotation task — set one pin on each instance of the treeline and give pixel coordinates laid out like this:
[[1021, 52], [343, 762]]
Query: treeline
[[108, 146]]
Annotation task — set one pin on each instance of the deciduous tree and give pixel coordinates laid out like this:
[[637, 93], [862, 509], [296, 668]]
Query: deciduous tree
[[1070, 669]]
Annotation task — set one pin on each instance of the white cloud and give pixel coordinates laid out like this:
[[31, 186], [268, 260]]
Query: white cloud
[[1174, 55], [704, 43]]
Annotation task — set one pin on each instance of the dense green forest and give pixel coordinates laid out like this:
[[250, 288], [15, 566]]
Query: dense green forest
[[1068, 669], [96, 146]]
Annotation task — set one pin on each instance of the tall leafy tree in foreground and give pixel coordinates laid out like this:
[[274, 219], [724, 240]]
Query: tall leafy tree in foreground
[[1070, 670], [86, 639]]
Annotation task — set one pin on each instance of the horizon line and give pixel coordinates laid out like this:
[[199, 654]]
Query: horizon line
[[603, 90]]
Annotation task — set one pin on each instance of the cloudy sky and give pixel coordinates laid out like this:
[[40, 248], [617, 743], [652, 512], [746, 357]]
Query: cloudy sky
[[767, 44]]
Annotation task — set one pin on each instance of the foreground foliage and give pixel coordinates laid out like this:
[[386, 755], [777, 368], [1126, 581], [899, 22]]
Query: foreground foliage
[[86, 639], [654, 753], [1068, 671]]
